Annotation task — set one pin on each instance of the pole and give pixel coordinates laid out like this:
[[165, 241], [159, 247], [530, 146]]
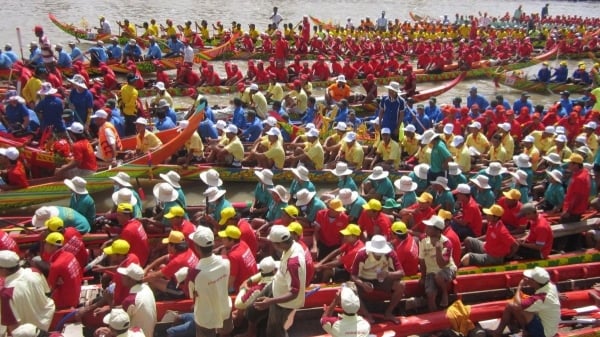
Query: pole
[[20, 42]]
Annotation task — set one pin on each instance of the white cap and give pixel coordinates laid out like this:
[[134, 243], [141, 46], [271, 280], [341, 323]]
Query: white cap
[[560, 130], [270, 121], [350, 137], [274, 132], [26, 330], [100, 114], [142, 121], [386, 131], [410, 128], [591, 124], [463, 189], [231, 128], [560, 138], [267, 265], [8, 259], [435, 221], [253, 86], [350, 302], [203, 237], [528, 139], [458, 140], [341, 126], [133, 271], [12, 153], [581, 139], [76, 128], [549, 129], [448, 129], [312, 133], [504, 126], [221, 124], [117, 319], [279, 234], [159, 85], [538, 274], [475, 125]]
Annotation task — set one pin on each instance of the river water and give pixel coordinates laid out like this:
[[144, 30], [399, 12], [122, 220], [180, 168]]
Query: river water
[[85, 13]]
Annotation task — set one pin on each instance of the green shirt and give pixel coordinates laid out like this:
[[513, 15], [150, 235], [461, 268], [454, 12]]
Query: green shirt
[[85, 205], [494, 181], [356, 208], [72, 218], [312, 208], [262, 195], [347, 182], [485, 198], [181, 197], [445, 200], [409, 199], [453, 181], [439, 154], [384, 187], [421, 183], [555, 194], [215, 209], [275, 210], [298, 185]]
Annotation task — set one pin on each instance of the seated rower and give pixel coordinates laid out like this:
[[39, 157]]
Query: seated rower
[[146, 141], [378, 185], [229, 152], [309, 153], [13, 170], [349, 323], [337, 265], [83, 160], [387, 154], [241, 258]]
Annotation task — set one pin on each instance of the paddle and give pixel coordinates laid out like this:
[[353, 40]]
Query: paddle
[[20, 42], [140, 189]]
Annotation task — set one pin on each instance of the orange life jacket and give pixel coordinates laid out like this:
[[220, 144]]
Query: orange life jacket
[[105, 148]]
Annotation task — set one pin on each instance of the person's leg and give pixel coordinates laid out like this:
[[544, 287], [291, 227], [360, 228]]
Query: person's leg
[[442, 280], [276, 321], [473, 245], [255, 316], [397, 295], [204, 332], [431, 292], [186, 329]]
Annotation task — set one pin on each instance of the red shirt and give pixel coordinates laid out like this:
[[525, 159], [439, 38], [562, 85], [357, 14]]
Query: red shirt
[[16, 175], [83, 153], [420, 215], [407, 252], [368, 224], [498, 240], [472, 216], [310, 266], [540, 233], [162, 76], [329, 229], [74, 245], [176, 262], [110, 81], [186, 228], [248, 236], [120, 291], [8, 243], [509, 218], [349, 253], [242, 263], [578, 193], [64, 279], [455, 240], [135, 235]]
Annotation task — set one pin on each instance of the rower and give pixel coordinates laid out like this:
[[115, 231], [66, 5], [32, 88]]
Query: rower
[[387, 154], [241, 258], [468, 222], [337, 265], [132, 52], [65, 272], [230, 217], [230, 152], [337, 91], [13, 172], [510, 201], [141, 304], [70, 217], [378, 185], [327, 225], [119, 324], [133, 232], [166, 197], [262, 196], [274, 156], [419, 176], [349, 323], [81, 201], [406, 188], [193, 148], [216, 202], [173, 179], [345, 180], [482, 191], [146, 141], [333, 143], [310, 204], [301, 180]]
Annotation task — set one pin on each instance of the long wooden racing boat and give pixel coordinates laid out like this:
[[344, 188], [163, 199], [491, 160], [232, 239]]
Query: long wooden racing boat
[[138, 167], [517, 81]]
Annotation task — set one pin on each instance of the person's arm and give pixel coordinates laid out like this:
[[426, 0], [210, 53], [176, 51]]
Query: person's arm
[[155, 264], [293, 268]]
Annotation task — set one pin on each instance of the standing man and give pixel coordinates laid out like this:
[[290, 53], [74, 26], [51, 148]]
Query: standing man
[[128, 104], [276, 18], [391, 110], [577, 196], [139, 302], [544, 13], [382, 22], [208, 287]]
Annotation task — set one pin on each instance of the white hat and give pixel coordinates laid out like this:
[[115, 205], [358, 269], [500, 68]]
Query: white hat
[[253, 86], [428, 136], [76, 128], [8, 259], [448, 129], [386, 131], [462, 189], [581, 139], [133, 271], [522, 160], [555, 174], [26, 330], [553, 158], [270, 121], [122, 179], [77, 185], [172, 178], [231, 128], [347, 196], [378, 173], [350, 137], [159, 85], [79, 81], [117, 319], [274, 132], [538, 274], [341, 78], [421, 170], [458, 140], [221, 124], [203, 236], [132, 42], [560, 138], [279, 234], [410, 128], [11, 153], [214, 193], [267, 265], [453, 169], [520, 177], [495, 169], [378, 245], [549, 129], [211, 177], [442, 182], [183, 124], [405, 184], [42, 214], [560, 130], [309, 126], [164, 192], [141, 120], [124, 195], [475, 125], [265, 176], [394, 86], [301, 172], [162, 103], [312, 133], [100, 114], [341, 169], [528, 139], [505, 126], [435, 221], [304, 196], [340, 126], [481, 181], [591, 124], [349, 301], [282, 192], [47, 89]]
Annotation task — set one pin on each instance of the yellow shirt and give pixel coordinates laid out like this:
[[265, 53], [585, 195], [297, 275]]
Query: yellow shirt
[[129, 95], [564, 154], [534, 156], [411, 146], [463, 158], [276, 92], [301, 101], [150, 141], [542, 144], [194, 144], [31, 89], [260, 104], [424, 155], [315, 153], [170, 31], [204, 33], [354, 155], [499, 154], [480, 142], [592, 141], [277, 154], [167, 97], [131, 29], [235, 148], [391, 151], [509, 145], [153, 30]]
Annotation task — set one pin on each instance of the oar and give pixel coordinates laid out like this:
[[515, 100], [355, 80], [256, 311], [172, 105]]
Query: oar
[[140, 189], [20, 42]]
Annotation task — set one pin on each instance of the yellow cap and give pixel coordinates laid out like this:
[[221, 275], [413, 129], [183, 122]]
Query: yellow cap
[[513, 194], [226, 214], [175, 211], [575, 158], [290, 210], [495, 210], [295, 227], [174, 237], [54, 224], [351, 229], [372, 205], [399, 227], [563, 63], [118, 246], [444, 214], [336, 205], [125, 208], [232, 232], [545, 63], [55, 239], [425, 197]]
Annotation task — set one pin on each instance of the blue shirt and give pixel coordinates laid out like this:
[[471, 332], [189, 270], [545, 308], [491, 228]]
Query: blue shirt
[[11, 55], [172, 115], [132, 50], [239, 119], [342, 115], [566, 106], [64, 60], [82, 103], [164, 124], [555, 194], [114, 52], [76, 54], [209, 115], [544, 74], [5, 61], [560, 74], [480, 100], [424, 121], [175, 46], [118, 121], [99, 52], [391, 109], [16, 114], [253, 131], [51, 109], [207, 130], [434, 113], [34, 122], [518, 104], [154, 52], [309, 115], [35, 57]]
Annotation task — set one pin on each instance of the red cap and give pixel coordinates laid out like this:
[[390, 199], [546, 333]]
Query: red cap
[[370, 77], [38, 28]]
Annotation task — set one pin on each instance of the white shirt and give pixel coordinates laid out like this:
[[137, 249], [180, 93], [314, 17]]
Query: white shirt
[[346, 326], [276, 19], [142, 312], [188, 54], [546, 304], [29, 303], [283, 280], [210, 292], [106, 28], [381, 22]]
